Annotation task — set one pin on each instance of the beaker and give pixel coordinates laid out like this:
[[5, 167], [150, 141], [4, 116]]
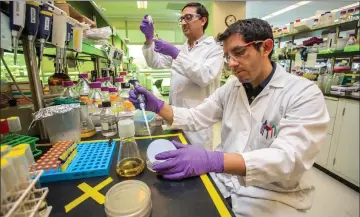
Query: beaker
[[130, 163], [87, 126]]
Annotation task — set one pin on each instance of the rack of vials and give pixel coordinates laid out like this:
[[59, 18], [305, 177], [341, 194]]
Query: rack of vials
[[20, 193]]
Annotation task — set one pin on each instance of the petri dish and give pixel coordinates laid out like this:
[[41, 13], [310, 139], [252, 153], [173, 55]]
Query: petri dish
[[156, 147], [130, 198]]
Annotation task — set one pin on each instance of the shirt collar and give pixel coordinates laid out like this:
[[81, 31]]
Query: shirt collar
[[268, 78], [204, 38]]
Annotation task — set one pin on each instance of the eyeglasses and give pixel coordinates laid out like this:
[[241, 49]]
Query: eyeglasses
[[189, 18], [239, 51]]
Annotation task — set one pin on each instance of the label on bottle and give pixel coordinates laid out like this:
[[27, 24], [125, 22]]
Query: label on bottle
[[104, 126]]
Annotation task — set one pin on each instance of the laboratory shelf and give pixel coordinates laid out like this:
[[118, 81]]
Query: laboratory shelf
[[93, 159], [345, 26], [335, 54]]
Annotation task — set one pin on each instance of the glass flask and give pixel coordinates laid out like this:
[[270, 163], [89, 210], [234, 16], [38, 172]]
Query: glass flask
[[87, 126], [95, 94], [83, 85], [130, 163], [107, 120], [107, 81], [105, 94], [69, 91]]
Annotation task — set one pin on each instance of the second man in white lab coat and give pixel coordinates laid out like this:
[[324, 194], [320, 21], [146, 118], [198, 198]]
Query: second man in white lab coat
[[195, 67]]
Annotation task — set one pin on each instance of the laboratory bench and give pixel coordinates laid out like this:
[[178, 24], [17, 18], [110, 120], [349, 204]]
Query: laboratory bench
[[197, 196]]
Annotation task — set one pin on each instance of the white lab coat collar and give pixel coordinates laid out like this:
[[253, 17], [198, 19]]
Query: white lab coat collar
[[204, 39], [278, 79]]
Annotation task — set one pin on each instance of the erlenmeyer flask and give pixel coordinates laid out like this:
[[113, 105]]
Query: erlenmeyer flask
[[87, 126], [130, 163]]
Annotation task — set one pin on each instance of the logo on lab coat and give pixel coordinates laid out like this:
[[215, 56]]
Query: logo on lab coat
[[268, 130]]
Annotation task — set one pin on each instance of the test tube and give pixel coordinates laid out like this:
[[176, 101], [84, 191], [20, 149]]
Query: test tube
[[55, 168]]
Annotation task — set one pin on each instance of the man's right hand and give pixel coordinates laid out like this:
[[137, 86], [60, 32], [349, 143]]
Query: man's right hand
[[147, 29], [152, 103]]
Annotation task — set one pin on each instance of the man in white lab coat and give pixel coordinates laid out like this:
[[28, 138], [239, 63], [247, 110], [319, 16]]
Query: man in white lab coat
[[195, 67], [272, 126]]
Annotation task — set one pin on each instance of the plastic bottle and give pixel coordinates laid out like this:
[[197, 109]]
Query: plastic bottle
[[107, 81], [95, 95], [342, 16], [291, 27], [108, 120], [83, 85], [105, 94], [321, 20], [69, 91], [118, 82], [123, 75], [329, 18], [101, 80], [316, 23]]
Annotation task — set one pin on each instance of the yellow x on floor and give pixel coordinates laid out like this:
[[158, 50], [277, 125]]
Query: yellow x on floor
[[89, 192]]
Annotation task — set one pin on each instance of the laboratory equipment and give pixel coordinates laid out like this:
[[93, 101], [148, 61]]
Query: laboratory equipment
[[149, 83], [316, 23], [32, 20], [342, 16], [17, 22], [156, 36], [95, 95], [341, 43], [105, 94], [130, 163], [87, 126], [134, 81], [28, 153], [5, 149], [9, 175], [113, 95], [21, 166], [59, 37], [69, 91], [349, 14], [356, 14], [118, 82], [156, 147], [62, 122], [107, 81], [83, 85], [141, 100], [55, 82], [107, 120], [14, 124], [131, 198], [44, 30], [140, 123]]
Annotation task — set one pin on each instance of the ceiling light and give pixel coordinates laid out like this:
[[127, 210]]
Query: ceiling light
[[142, 4], [291, 7]]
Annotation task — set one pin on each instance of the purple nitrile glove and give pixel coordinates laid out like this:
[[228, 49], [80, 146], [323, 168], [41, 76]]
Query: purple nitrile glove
[[166, 48], [147, 28], [187, 161], [152, 103]]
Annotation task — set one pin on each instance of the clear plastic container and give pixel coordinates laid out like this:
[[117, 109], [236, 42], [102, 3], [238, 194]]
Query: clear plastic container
[[291, 27], [342, 16], [28, 153], [9, 176], [83, 85], [107, 81], [316, 23], [20, 164], [105, 94], [69, 90], [130, 163], [131, 198], [356, 15], [329, 18], [322, 20], [108, 121], [64, 126], [140, 124]]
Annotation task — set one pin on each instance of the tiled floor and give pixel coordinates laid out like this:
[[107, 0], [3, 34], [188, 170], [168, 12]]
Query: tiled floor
[[333, 199]]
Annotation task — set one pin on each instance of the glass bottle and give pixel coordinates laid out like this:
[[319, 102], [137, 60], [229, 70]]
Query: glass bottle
[[130, 163], [105, 94], [342, 16], [123, 75], [349, 15], [69, 91], [87, 126], [356, 15], [113, 98], [95, 95], [316, 23], [101, 80], [107, 81], [107, 120], [83, 85], [118, 82]]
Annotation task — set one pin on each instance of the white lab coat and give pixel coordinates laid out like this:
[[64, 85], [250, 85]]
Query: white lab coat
[[195, 75], [273, 185]]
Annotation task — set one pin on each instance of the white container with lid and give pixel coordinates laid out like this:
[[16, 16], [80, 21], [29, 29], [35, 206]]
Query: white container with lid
[[130, 198]]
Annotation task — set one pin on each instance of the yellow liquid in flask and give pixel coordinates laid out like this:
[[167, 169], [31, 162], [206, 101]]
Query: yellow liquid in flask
[[130, 167]]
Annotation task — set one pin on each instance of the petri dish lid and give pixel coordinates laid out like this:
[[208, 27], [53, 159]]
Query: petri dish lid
[[127, 198], [158, 146]]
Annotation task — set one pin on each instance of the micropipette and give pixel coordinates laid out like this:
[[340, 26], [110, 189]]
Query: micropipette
[[17, 22], [141, 101], [44, 29]]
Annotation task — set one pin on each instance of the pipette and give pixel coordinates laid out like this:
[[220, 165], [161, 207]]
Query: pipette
[[141, 100], [151, 21], [44, 29], [17, 22]]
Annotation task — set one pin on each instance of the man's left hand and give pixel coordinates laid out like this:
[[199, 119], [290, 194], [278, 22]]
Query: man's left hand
[[166, 48], [187, 161]]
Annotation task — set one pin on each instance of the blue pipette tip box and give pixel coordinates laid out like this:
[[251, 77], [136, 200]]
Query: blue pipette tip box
[[93, 159]]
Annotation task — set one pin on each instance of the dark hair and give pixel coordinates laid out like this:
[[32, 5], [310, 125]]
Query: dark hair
[[251, 30], [201, 10]]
